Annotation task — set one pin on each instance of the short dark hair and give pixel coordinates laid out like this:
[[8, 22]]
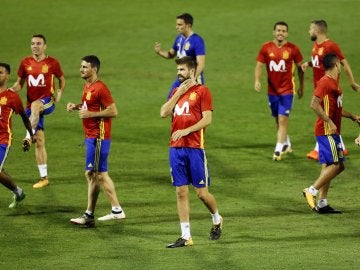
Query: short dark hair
[[321, 24], [40, 36], [93, 60], [6, 66], [281, 23], [186, 60], [188, 19], [330, 60]]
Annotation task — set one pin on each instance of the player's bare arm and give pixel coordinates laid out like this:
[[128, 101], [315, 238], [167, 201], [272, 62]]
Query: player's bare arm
[[109, 112], [350, 76], [18, 85], [167, 107], [200, 60], [165, 54], [300, 91], [204, 122], [61, 89], [258, 70], [315, 105]]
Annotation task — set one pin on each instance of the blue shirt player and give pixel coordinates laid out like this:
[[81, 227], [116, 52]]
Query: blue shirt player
[[187, 43]]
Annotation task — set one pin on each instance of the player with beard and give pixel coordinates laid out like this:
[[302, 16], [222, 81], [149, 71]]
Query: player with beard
[[280, 58], [190, 106], [323, 45]]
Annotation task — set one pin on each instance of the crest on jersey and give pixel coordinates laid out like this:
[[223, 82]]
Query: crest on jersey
[[193, 96], [285, 55], [187, 46], [88, 96], [45, 69], [3, 101], [320, 51]]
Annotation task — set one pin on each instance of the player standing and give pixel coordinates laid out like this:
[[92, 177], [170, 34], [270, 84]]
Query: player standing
[[191, 109], [187, 43], [323, 45], [96, 110], [10, 103], [280, 58], [38, 72]]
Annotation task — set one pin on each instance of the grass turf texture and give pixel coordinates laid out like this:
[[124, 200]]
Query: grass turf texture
[[267, 224]]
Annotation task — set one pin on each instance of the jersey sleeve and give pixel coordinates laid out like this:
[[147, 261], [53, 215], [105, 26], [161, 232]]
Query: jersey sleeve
[[320, 89], [21, 71], [297, 55], [336, 49], [17, 103], [200, 46], [57, 69], [105, 97], [261, 56], [206, 100]]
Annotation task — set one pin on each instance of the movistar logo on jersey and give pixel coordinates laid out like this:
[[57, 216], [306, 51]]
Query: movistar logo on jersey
[[39, 81], [277, 67], [315, 61], [183, 110]]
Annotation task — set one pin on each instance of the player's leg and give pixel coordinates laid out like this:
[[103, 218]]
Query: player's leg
[[6, 179], [331, 158], [180, 179], [201, 181], [41, 159]]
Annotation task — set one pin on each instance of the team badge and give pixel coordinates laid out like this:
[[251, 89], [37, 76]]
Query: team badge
[[193, 96], [3, 101], [88, 96], [187, 46], [285, 55], [45, 69], [320, 51]]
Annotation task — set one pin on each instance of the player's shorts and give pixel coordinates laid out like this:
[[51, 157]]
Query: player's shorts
[[49, 107], [330, 149], [4, 150], [176, 83], [280, 104], [189, 166], [97, 152]]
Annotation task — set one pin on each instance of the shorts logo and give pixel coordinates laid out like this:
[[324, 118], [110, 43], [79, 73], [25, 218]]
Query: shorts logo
[[202, 182], [90, 165]]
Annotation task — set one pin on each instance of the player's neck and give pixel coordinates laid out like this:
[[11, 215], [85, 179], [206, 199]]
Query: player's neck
[[40, 57], [3, 88], [321, 39], [280, 43], [91, 80], [188, 34], [332, 74]]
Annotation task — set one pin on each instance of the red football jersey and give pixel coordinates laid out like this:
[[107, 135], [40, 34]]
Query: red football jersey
[[187, 112], [331, 101], [39, 77], [96, 97], [10, 102], [317, 55], [280, 66]]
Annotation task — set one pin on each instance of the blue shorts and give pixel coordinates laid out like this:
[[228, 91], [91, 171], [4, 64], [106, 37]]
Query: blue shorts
[[4, 150], [97, 152], [49, 107], [330, 149], [280, 104], [189, 166], [177, 83]]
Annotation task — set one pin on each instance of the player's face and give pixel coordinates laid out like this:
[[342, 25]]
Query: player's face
[[280, 33], [313, 32], [183, 73], [38, 46], [86, 71], [181, 27], [4, 76]]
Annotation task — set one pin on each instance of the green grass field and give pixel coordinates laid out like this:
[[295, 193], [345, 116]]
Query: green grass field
[[267, 224]]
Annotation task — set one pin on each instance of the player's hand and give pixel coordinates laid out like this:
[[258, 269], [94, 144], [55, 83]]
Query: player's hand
[[58, 97], [355, 87], [357, 140], [304, 66], [85, 114], [177, 135], [70, 107], [257, 86], [157, 47], [332, 127], [33, 139], [300, 92], [186, 85]]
